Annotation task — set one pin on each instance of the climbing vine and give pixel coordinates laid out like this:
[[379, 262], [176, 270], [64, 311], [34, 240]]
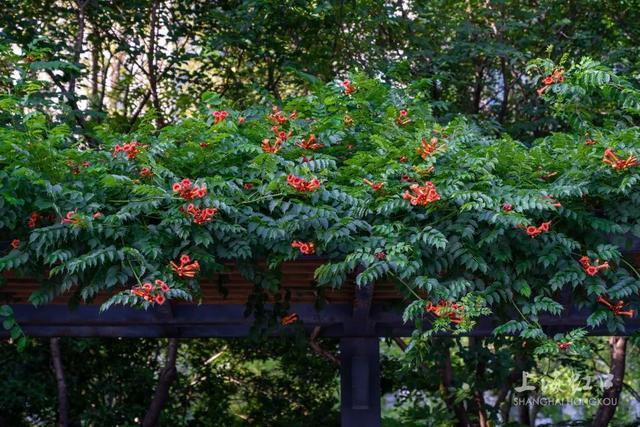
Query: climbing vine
[[465, 222]]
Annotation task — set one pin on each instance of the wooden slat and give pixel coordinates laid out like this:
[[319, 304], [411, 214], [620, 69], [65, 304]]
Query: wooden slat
[[230, 287]]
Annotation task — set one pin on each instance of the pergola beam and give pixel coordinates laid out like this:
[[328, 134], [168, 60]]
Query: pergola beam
[[228, 320]]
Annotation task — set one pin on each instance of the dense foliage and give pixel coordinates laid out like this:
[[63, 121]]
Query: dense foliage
[[112, 60], [514, 142], [358, 173]]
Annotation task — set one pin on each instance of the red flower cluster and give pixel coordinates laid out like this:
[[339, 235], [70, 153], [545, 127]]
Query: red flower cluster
[[507, 207], [589, 141], [618, 164], [268, 148], [307, 248], [348, 88], [556, 77], [427, 149], [146, 172], [615, 308], [289, 319], [187, 191], [403, 118], [75, 169], [592, 270], [151, 292], [280, 134], [380, 256], [302, 184], [403, 159], [97, 215], [248, 186], [534, 231], [554, 202], [186, 267], [309, 143], [72, 218], [422, 195], [241, 120], [277, 117], [219, 116], [132, 149], [15, 243], [453, 310], [564, 345], [376, 186], [200, 216], [33, 219]]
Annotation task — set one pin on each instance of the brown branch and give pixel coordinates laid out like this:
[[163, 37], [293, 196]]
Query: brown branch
[[401, 343], [77, 46], [480, 374], [148, 93], [506, 89], [77, 114], [103, 80], [523, 412], [166, 378], [151, 63], [95, 54], [478, 87], [321, 351], [58, 370], [611, 395], [514, 375], [447, 383]]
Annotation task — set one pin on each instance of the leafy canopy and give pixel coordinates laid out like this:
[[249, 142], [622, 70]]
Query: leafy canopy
[[109, 218]]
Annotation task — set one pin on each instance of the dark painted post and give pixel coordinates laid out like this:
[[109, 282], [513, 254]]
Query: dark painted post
[[360, 382], [360, 365]]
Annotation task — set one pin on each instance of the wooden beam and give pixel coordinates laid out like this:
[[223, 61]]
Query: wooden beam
[[227, 320]]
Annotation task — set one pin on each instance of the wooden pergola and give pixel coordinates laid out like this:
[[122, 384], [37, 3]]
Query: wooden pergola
[[357, 316]]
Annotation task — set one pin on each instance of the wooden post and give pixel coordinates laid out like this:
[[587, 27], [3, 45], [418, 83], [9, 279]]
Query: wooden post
[[360, 365], [360, 382]]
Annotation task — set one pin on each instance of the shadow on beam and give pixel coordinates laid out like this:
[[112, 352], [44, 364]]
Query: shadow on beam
[[228, 320]]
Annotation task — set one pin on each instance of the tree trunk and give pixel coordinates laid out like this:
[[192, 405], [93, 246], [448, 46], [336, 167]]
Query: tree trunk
[[151, 63], [480, 374], [63, 402], [504, 398], [165, 379], [447, 383], [611, 395], [477, 90], [77, 46], [506, 89], [523, 412]]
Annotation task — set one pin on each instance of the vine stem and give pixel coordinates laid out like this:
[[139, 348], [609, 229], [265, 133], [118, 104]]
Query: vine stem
[[536, 324], [628, 264], [268, 196], [143, 200], [407, 286], [133, 270]]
